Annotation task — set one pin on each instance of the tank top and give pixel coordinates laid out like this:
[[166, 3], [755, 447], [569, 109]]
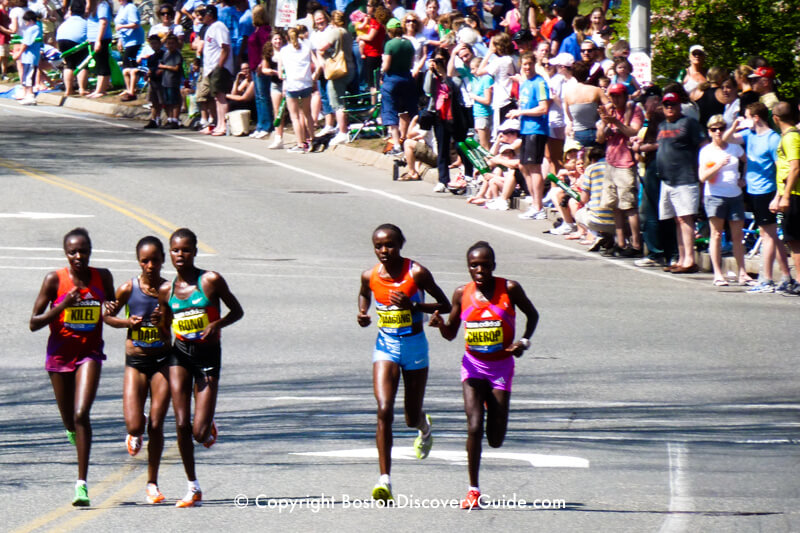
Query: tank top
[[78, 330], [391, 319], [584, 116], [190, 316], [140, 304], [488, 326]]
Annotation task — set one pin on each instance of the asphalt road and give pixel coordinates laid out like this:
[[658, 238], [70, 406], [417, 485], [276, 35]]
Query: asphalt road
[[648, 402]]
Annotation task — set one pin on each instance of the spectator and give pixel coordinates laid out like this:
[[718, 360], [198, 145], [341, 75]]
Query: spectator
[[322, 38], [621, 120], [243, 91], [372, 48], [70, 34], [679, 139], [297, 63], [5, 38], [581, 105], [540, 54], [28, 55], [591, 217], [398, 91], [397, 9], [217, 65], [561, 29], [747, 95], [534, 106], [499, 64], [623, 75], [171, 67], [229, 16], [761, 148], [269, 66], [723, 199], [418, 148], [572, 43], [597, 18], [787, 198], [762, 82], [342, 40], [728, 95], [155, 90], [708, 96], [130, 38], [557, 125], [480, 91], [98, 33], [255, 46], [165, 25], [696, 73], [507, 169], [412, 31]]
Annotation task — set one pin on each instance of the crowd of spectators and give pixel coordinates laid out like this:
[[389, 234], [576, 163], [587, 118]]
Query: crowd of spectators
[[499, 97]]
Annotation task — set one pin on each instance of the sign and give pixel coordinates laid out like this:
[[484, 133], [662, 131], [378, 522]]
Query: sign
[[642, 67], [285, 13]]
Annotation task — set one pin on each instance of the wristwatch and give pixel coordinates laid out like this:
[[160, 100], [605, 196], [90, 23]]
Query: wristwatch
[[526, 343]]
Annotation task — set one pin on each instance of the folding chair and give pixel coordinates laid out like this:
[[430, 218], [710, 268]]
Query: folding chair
[[362, 115]]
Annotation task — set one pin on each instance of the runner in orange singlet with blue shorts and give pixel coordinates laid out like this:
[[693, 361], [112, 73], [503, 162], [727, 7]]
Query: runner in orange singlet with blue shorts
[[399, 285], [487, 307]]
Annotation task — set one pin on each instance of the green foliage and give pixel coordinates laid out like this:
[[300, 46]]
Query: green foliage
[[731, 31]]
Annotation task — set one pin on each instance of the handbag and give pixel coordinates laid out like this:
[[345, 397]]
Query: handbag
[[336, 66]]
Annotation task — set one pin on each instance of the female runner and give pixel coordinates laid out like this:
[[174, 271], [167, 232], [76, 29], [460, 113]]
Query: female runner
[[147, 351], [399, 285], [191, 304], [70, 302], [487, 307]]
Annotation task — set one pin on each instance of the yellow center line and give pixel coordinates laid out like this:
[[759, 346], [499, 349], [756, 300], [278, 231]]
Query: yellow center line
[[144, 217]]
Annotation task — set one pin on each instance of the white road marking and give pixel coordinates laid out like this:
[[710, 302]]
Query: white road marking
[[379, 192], [680, 502], [536, 460], [41, 216]]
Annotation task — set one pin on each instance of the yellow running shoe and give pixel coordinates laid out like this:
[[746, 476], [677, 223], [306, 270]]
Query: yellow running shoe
[[422, 445], [81, 495], [383, 491]]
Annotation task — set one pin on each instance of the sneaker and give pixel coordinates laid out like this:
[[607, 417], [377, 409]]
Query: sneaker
[[792, 289], [258, 134], [422, 445], [472, 501], [440, 187], [529, 214], [647, 262], [193, 498], [498, 204], [212, 437], [766, 286], [395, 152], [81, 498], [28, 101], [564, 229], [297, 149], [629, 252], [340, 138], [151, 124], [611, 251], [171, 125], [541, 215], [134, 444], [70, 436], [383, 492], [277, 143], [326, 130], [153, 494]]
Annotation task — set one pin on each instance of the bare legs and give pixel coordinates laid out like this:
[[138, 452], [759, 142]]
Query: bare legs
[[477, 393]]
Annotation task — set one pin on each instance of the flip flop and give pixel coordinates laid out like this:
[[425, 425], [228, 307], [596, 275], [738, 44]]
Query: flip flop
[[573, 237], [720, 283], [217, 133], [408, 177]]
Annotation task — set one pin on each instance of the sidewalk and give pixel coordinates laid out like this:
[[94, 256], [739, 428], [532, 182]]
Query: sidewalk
[[371, 156]]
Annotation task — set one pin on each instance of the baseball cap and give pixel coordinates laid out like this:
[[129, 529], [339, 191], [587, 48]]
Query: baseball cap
[[697, 48], [598, 41], [564, 59], [648, 91], [510, 124], [504, 148], [763, 72], [393, 23], [671, 98], [572, 144], [617, 88]]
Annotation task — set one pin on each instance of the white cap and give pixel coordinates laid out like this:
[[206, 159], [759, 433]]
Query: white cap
[[509, 124], [696, 48], [564, 59]]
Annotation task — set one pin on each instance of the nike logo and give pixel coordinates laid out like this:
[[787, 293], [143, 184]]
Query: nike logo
[[418, 362], [196, 301], [208, 369]]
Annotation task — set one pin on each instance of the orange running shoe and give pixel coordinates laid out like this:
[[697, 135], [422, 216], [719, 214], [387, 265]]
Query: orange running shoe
[[134, 444], [472, 501], [193, 498], [153, 494], [212, 437]]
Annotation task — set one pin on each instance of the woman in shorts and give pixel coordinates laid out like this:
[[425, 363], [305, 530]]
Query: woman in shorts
[[191, 304], [399, 285], [70, 34], [147, 351], [70, 302], [297, 65], [487, 306], [130, 38]]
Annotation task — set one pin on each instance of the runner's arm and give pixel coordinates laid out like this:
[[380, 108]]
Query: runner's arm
[[364, 299]]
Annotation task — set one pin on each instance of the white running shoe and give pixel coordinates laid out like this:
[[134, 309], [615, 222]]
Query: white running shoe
[[440, 187], [277, 142], [30, 100], [498, 204], [563, 229], [340, 138], [530, 214]]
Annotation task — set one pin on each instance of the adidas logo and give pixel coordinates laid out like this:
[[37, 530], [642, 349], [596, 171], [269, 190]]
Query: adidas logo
[[486, 314], [501, 381]]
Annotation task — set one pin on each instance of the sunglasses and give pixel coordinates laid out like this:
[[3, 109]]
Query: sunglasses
[[165, 13], [670, 104], [716, 128], [587, 51]]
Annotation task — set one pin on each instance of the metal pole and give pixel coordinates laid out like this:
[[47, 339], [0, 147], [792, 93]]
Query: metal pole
[[640, 26]]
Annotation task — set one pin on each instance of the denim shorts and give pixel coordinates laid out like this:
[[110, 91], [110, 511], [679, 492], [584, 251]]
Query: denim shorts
[[725, 207], [302, 93]]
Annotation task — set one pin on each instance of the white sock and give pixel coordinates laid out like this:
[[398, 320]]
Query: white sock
[[427, 431], [385, 479], [81, 482], [194, 486], [474, 488]]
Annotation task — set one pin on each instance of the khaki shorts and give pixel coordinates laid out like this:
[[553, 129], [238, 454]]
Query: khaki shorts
[[584, 218], [424, 153], [678, 201], [4, 50], [203, 93], [619, 189]]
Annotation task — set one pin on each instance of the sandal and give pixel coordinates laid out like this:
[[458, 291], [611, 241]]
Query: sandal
[[748, 282], [573, 236], [720, 283], [586, 242], [409, 177]]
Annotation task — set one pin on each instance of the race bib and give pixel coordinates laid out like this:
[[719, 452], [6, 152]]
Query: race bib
[[190, 324], [82, 316], [147, 336], [484, 336]]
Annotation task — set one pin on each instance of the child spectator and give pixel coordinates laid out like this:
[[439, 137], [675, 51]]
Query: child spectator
[[600, 222], [28, 55], [480, 90], [500, 186], [155, 94], [569, 174], [171, 69], [622, 74]]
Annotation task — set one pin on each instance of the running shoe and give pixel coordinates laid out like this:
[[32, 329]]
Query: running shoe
[[212, 437], [153, 494], [193, 498], [70, 436], [472, 501], [81, 495], [277, 142], [792, 289], [298, 149], [764, 286], [440, 187], [422, 445], [340, 138], [647, 262], [563, 229], [498, 204], [134, 444], [395, 152], [383, 492], [530, 214], [783, 285]]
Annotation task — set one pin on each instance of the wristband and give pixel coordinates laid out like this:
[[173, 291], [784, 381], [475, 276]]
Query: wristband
[[526, 343]]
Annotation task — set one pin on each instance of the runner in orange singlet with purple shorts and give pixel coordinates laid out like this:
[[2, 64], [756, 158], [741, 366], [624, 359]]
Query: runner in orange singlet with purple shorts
[[487, 307]]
